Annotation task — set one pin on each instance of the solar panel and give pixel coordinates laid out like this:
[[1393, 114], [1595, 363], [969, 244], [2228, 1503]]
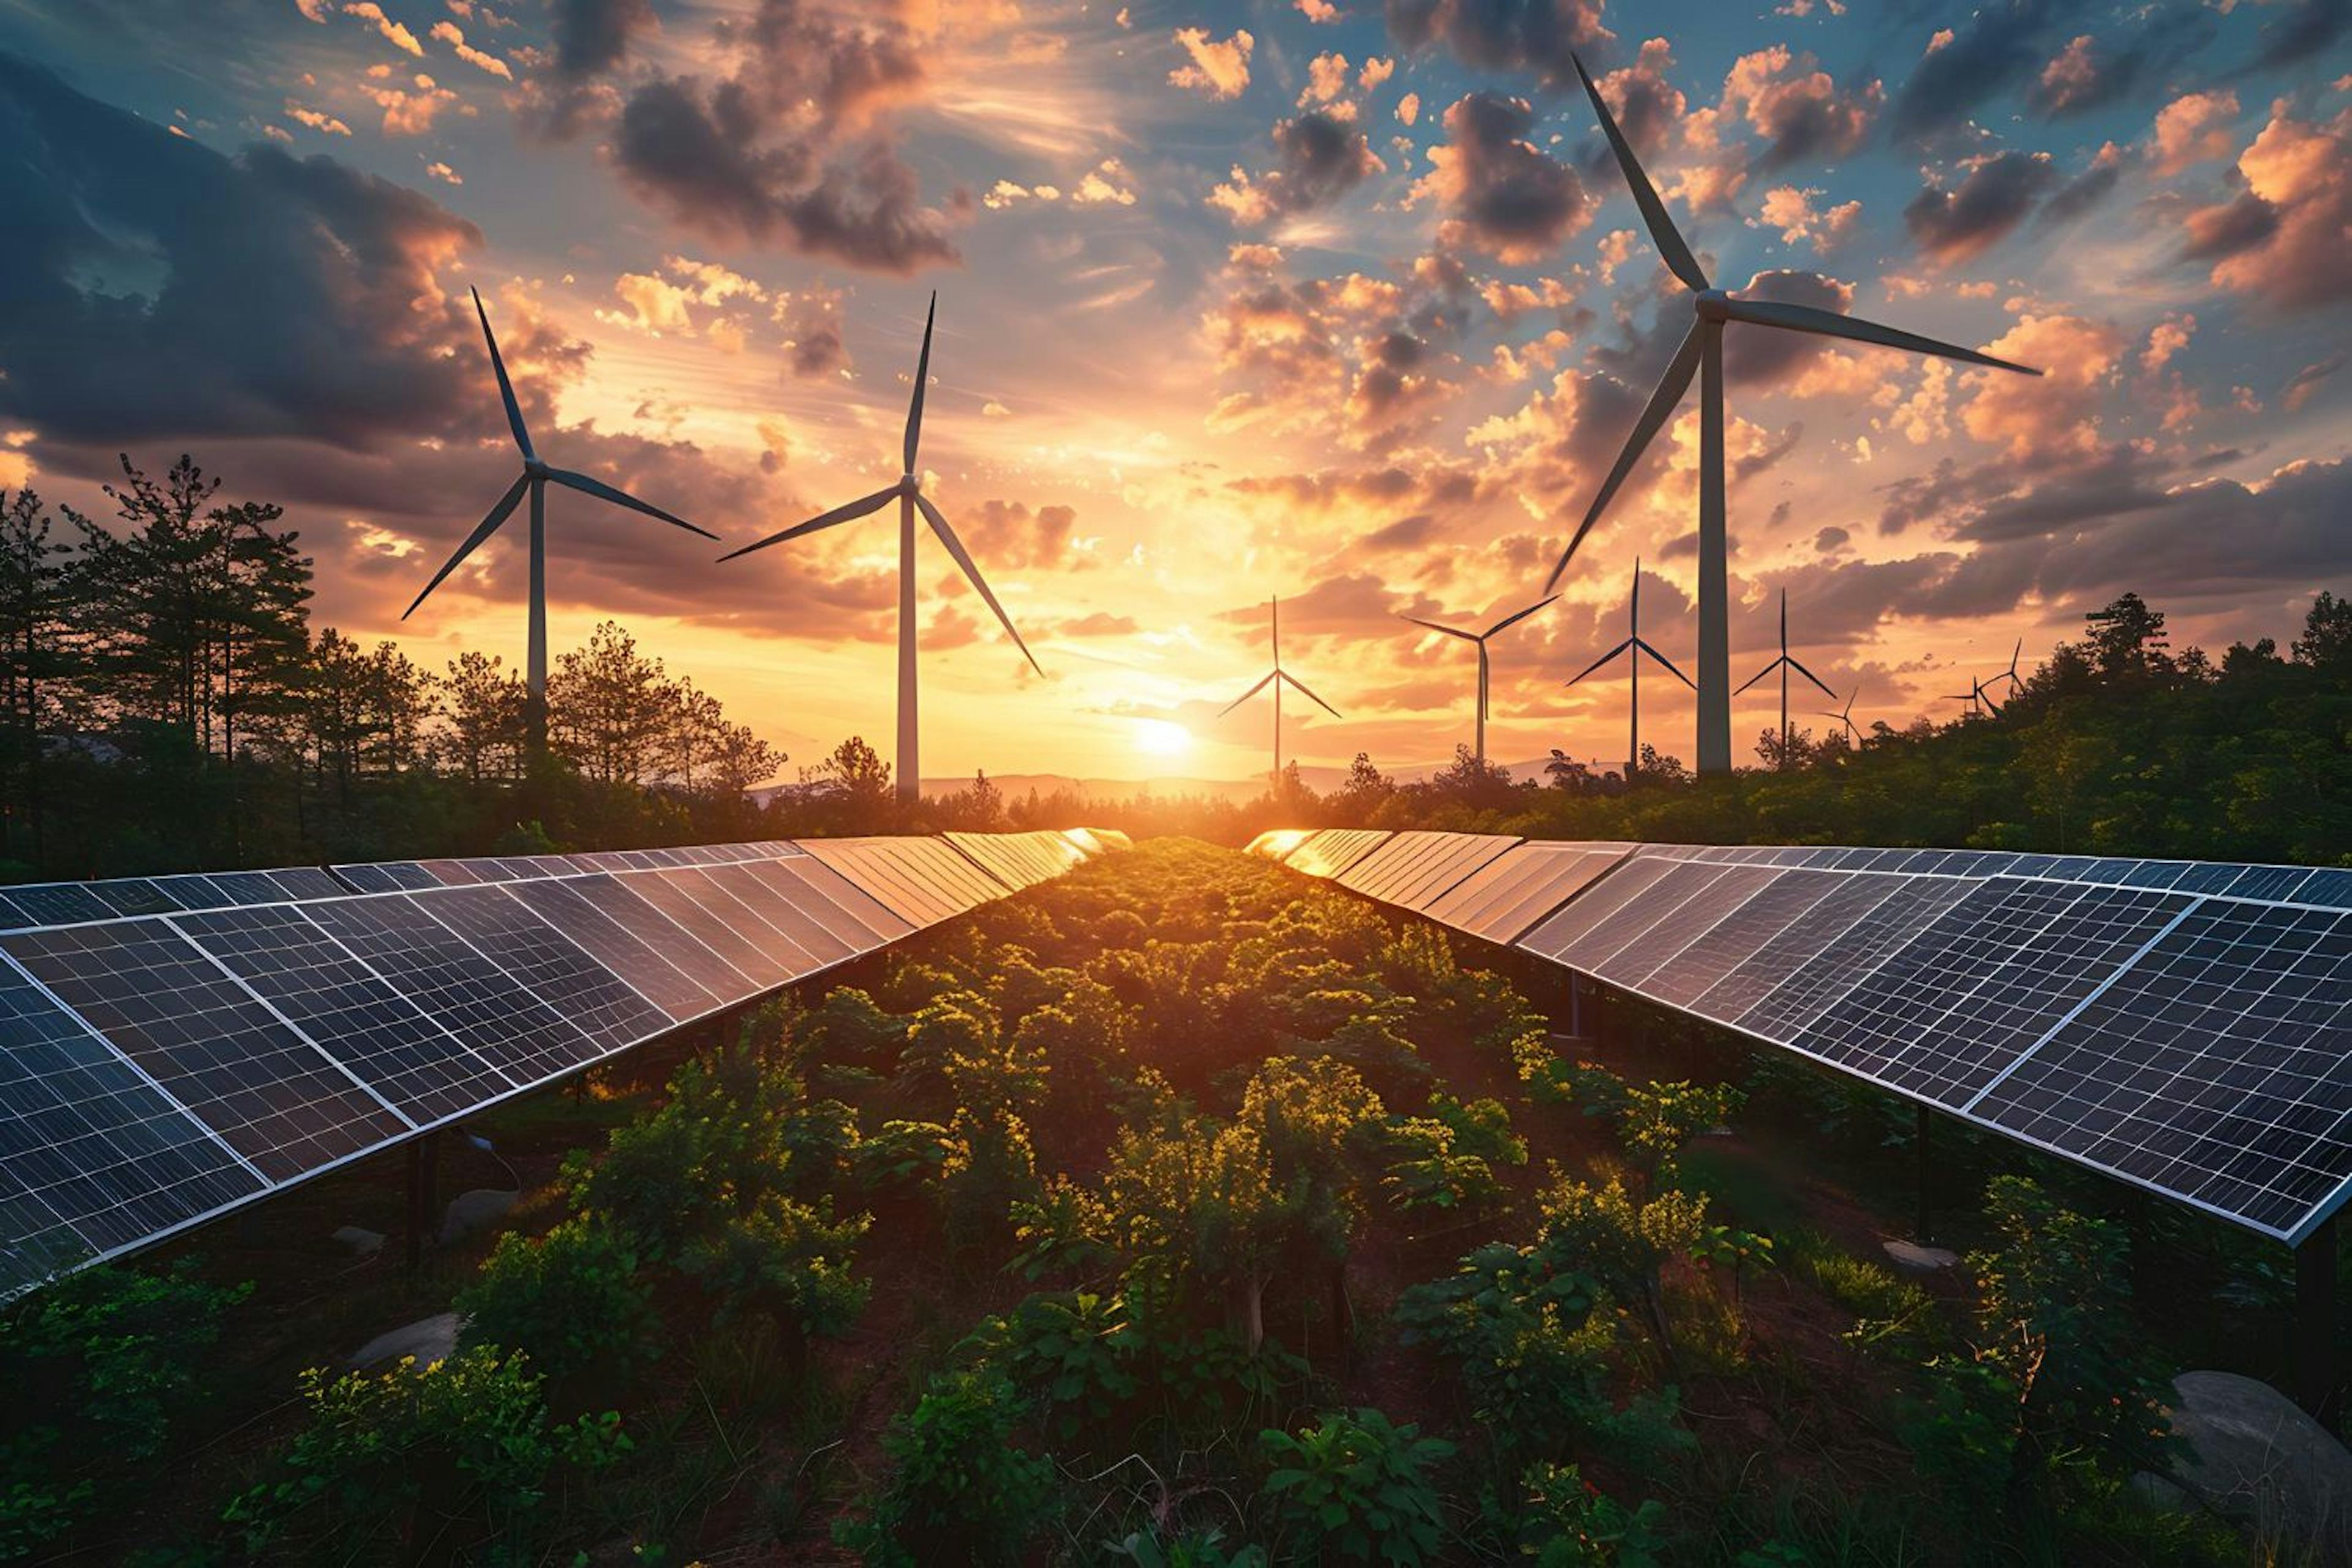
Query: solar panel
[[1334, 849], [347, 1010], [798, 917], [709, 914], [56, 903], [387, 877], [2217, 1067], [270, 1094], [1714, 894], [1766, 914], [1019, 860], [1910, 907], [1590, 911], [489, 1011], [915, 888], [637, 943], [1442, 871], [93, 1157], [555, 968], [822, 893], [133, 896]]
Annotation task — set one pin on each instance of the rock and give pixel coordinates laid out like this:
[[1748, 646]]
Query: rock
[[477, 1210], [2254, 1455], [1924, 1259], [429, 1339], [365, 1243]]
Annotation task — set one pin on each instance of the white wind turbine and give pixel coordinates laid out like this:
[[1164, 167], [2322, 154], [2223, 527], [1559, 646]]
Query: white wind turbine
[[1277, 677], [908, 493], [1480, 639], [1634, 646], [1784, 664], [535, 478], [1701, 353]]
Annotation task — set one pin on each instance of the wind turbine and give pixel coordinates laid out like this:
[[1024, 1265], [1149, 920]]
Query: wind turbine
[[2011, 674], [535, 478], [1277, 677], [1845, 716], [1701, 353], [1784, 664], [1480, 638], [1980, 703], [908, 493], [1634, 646]]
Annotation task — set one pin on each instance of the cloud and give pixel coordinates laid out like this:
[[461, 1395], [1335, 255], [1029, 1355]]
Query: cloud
[[1790, 210], [2089, 73], [1501, 194], [2194, 129], [2034, 416], [410, 109], [2288, 251], [317, 120], [1798, 108], [1220, 67], [1646, 106], [792, 146], [1502, 35], [392, 32], [1963, 67], [1952, 225], [2300, 387], [162, 288], [1012, 535], [1759, 356], [1322, 157], [450, 33]]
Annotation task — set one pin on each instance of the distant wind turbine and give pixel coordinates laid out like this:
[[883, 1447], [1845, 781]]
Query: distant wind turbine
[[1845, 716], [535, 478], [1635, 646], [1701, 353], [1979, 702], [1784, 664], [1277, 677], [908, 493], [1480, 639], [2011, 674]]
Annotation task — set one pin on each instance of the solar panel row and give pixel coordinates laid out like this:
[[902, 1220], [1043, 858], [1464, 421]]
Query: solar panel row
[[2184, 1025], [159, 1066]]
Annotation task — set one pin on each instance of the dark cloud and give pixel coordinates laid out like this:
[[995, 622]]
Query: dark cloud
[[1755, 355], [1354, 603], [1502, 35], [150, 286], [1996, 47], [1503, 195], [1957, 224], [2225, 229], [592, 36], [1321, 157], [2090, 72], [1405, 533], [2307, 29], [1009, 534], [791, 147], [2307, 381], [2087, 189], [1798, 108]]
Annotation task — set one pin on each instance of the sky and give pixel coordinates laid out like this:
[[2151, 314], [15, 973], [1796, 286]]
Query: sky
[[1337, 301]]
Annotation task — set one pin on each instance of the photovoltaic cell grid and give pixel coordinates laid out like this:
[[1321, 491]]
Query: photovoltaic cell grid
[[2186, 1025], [245, 1030], [1332, 850]]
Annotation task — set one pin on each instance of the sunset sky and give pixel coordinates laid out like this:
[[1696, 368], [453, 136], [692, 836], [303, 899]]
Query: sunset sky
[[1327, 298]]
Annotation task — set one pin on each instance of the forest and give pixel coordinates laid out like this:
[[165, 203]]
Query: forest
[[1180, 1211]]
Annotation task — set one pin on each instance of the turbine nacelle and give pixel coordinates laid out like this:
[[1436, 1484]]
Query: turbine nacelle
[[1712, 305]]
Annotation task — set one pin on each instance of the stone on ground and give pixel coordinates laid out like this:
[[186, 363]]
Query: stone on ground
[[477, 1210], [428, 1339], [1927, 1260], [365, 1242], [2254, 1455]]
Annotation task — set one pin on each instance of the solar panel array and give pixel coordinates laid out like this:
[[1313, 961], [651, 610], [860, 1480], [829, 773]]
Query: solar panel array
[[173, 1047], [2183, 1026]]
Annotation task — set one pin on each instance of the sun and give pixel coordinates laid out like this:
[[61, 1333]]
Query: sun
[[1161, 737]]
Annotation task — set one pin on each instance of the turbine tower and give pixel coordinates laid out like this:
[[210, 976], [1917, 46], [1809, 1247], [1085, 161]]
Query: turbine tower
[[534, 479], [1635, 646], [1980, 704], [1784, 664], [1277, 677], [908, 493], [1480, 639], [1701, 353]]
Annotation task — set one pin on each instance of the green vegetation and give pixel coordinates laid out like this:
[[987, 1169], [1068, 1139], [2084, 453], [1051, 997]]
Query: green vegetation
[[1176, 1211]]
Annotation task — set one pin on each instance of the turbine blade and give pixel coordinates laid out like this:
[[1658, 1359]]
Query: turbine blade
[[1671, 668], [1433, 625], [1816, 679], [588, 485], [1521, 616], [1248, 695], [1662, 232], [1671, 387], [850, 512], [1300, 687], [923, 377], [487, 526], [1597, 663], [1830, 324], [971, 570], [505, 387], [1759, 676]]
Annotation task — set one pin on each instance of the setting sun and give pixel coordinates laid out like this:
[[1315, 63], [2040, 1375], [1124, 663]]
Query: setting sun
[[1161, 737]]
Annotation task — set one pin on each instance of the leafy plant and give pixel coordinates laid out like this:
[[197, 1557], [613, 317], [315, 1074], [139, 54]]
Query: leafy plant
[[962, 1489], [786, 1261], [571, 1300], [1074, 1349], [1566, 1521], [1356, 1485]]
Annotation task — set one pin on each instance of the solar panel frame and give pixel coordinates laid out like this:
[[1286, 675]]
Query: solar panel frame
[[707, 912], [387, 877], [591, 911], [560, 971]]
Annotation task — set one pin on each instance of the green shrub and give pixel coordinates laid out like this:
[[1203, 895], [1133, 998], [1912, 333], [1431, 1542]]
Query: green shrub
[[1356, 1487], [1565, 1521], [785, 1261], [963, 1490], [1074, 1352], [573, 1301], [1428, 1170], [465, 1445]]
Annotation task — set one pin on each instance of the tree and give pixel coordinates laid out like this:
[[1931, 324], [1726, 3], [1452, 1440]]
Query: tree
[[611, 710], [1365, 788], [40, 658], [2326, 640], [855, 783], [2128, 642], [482, 736]]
